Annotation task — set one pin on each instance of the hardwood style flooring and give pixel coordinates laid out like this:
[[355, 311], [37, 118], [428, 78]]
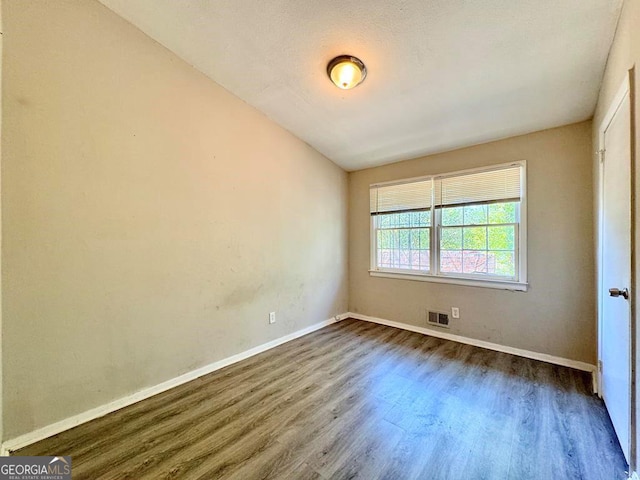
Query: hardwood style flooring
[[358, 400]]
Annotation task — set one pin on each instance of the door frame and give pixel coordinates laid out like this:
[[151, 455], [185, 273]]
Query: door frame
[[623, 91]]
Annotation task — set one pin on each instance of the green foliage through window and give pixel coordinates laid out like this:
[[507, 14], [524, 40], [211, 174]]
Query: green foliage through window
[[404, 240], [474, 239], [479, 239]]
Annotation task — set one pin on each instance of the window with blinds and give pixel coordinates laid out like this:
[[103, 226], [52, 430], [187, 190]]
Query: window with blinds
[[467, 225], [403, 225]]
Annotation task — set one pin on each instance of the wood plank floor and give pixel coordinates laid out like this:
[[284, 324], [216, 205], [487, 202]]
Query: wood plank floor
[[358, 400]]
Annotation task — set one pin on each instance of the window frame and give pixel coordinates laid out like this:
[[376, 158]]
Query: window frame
[[518, 283]]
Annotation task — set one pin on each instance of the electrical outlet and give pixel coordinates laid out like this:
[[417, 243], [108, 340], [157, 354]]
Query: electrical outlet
[[272, 317], [455, 312]]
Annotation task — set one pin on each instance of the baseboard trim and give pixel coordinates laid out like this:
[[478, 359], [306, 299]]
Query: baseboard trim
[[68, 423], [565, 362]]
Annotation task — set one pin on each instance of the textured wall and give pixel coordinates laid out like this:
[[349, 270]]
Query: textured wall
[[556, 315], [151, 220]]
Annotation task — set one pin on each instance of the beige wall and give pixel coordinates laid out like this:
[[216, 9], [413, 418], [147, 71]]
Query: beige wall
[[556, 316], [625, 53], [151, 220]]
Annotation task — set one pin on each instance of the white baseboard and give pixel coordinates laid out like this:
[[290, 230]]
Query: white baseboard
[[68, 423], [565, 362], [55, 428]]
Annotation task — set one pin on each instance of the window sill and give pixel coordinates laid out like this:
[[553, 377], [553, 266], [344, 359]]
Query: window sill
[[469, 282]]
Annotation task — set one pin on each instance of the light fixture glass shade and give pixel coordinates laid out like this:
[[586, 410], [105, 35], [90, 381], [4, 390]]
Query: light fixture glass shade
[[346, 71]]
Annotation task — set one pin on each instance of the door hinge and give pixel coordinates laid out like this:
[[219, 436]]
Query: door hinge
[[600, 154], [600, 366]]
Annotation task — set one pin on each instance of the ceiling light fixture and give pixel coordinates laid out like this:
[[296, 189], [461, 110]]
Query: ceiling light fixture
[[346, 71]]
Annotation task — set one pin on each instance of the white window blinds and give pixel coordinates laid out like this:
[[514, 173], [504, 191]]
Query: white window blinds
[[502, 184], [402, 197]]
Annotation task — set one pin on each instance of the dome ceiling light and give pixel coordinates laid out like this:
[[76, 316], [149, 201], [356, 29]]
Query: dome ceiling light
[[346, 71]]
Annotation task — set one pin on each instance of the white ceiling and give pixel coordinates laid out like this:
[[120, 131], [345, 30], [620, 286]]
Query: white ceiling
[[442, 74]]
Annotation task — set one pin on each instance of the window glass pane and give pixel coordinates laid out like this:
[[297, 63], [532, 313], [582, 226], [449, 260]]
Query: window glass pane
[[415, 260], [451, 261], [452, 216], [385, 246], [502, 263], [404, 239], [474, 261], [423, 218], [475, 215], [405, 219], [424, 257], [395, 257], [384, 258], [475, 238], [414, 240], [425, 238], [502, 212], [404, 258], [501, 238], [384, 239], [403, 248], [451, 238]]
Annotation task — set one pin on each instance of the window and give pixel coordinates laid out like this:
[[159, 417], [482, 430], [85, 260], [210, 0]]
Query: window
[[464, 227]]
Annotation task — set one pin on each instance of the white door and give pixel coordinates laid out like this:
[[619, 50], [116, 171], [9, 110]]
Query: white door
[[615, 330]]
